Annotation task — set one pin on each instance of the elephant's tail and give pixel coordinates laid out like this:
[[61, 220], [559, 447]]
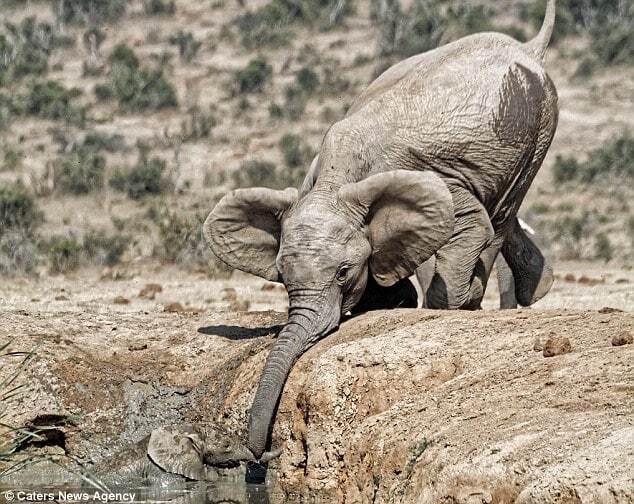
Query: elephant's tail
[[539, 44]]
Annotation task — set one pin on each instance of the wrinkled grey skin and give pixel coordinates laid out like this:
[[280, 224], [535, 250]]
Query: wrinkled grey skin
[[532, 266], [434, 158], [174, 453]]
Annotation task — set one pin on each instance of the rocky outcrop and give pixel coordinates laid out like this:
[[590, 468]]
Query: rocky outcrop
[[406, 406]]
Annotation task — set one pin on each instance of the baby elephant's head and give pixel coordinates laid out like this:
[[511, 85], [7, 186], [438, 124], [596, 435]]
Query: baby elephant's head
[[323, 247]]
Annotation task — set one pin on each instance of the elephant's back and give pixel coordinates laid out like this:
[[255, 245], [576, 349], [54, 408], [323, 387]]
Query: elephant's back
[[471, 111]]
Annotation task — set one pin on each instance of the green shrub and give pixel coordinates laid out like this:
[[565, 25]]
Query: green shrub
[[98, 11], [307, 80], [197, 125], [104, 249], [146, 178], [136, 88], [51, 100], [81, 172], [603, 248], [18, 210], [25, 49], [614, 160], [159, 7], [18, 253], [187, 45], [271, 23], [295, 102], [296, 152], [64, 253], [253, 77], [12, 159], [255, 173]]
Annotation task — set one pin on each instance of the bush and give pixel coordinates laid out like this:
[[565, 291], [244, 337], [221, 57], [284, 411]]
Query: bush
[[18, 253], [64, 253], [135, 87], [253, 77], [603, 248], [159, 7], [81, 172], [187, 45], [103, 249], [51, 100], [18, 210], [307, 80], [265, 174], [296, 152], [614, 160], [270, 24], [12, 159], [98, 11], [144, 179], [198, 125]]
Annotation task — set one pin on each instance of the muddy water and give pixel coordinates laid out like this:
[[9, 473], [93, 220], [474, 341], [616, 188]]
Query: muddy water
[[195, 493]]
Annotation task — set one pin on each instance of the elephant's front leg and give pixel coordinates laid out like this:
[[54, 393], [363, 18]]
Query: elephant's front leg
[[400, 295], [457, 282]]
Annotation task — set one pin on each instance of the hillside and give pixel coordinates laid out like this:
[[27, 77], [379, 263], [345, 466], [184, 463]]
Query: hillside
[[123, 122]]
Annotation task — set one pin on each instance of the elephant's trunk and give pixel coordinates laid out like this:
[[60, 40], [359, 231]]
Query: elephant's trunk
[[296, 336]]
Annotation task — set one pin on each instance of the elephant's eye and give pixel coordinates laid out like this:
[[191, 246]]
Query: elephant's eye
[[342, 274]]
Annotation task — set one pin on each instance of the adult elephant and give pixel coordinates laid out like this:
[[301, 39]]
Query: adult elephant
[[434, 158]]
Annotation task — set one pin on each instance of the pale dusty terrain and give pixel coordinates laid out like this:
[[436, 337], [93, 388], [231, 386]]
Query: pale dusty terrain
[[397, 406]]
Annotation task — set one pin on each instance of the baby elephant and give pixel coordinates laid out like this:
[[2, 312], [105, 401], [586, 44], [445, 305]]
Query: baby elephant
[[175, 453], [434, 158]]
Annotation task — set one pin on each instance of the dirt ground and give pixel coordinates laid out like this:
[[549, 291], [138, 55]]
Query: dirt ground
[[397, 406]]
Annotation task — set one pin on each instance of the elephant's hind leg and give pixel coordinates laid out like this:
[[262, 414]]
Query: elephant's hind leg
[[532, 273], [454, 285], [506, 284]]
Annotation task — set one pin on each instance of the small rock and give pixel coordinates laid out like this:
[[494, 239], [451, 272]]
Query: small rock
[[557, 346], [135, 347], [61, 298], [120, 300], [625, 338], [174, 308], [622, 281], [239, 305], [607, 309], [569, 277], [150, 291], [229, 294], [590, 281], [179, 308], [538, 346]]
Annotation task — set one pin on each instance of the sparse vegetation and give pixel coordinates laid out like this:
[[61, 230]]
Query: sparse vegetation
[[18, 210], [145, 178], [159, 7], [64, 253], [271, 24], [253, 77], [611, 164], [255, 173], [187, 45], [81, 172], [603, 247], [51, 100], [297, 153], [137, 88], [104, 249], [88, 11]]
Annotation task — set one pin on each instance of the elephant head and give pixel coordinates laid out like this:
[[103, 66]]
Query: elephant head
[[323, 247]]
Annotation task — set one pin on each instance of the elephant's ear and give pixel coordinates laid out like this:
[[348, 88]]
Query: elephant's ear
[[243, 230], [409, 216], [178, 450]]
